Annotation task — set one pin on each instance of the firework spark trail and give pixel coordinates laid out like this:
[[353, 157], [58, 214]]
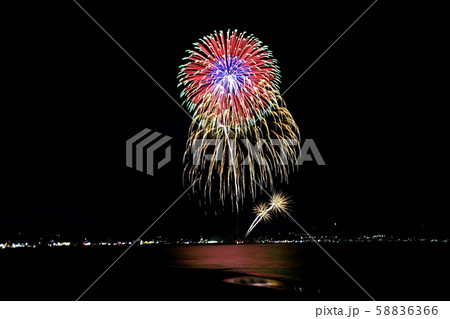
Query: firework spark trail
[[261, 216], [231, 85], [233, 164]]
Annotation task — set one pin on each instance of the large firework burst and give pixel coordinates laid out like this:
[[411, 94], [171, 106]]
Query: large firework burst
[[230, 80], [231, 86]]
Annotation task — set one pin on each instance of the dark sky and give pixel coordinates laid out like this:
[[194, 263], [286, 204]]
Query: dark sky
[[73, 98]]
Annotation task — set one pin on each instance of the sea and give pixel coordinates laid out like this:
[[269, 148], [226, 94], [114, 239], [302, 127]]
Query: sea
[[339, 271]]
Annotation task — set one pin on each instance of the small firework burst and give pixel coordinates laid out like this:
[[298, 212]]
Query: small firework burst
[[262, 210], [279, 203]]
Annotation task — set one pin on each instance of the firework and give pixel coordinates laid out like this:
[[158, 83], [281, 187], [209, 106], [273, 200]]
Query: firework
[[278, 204], [231, 86], [230, 80]]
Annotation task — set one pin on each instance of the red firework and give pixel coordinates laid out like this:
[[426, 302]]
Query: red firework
[[231, 79]]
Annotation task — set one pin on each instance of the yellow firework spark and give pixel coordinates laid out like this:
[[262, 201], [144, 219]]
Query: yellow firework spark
[[281, 203], [262, 209], [241, 158]]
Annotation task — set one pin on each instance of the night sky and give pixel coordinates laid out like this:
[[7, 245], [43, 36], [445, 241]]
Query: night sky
[[73, 98]]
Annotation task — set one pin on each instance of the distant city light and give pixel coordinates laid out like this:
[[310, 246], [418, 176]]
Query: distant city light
[[293, 238]]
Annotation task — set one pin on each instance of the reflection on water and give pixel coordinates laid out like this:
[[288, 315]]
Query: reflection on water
[[272, 261], [256, 281]]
